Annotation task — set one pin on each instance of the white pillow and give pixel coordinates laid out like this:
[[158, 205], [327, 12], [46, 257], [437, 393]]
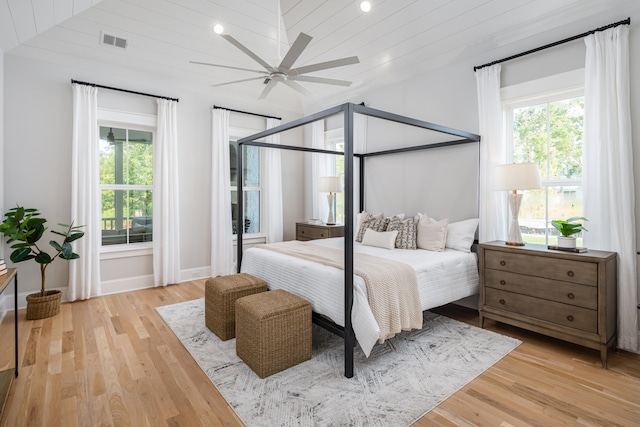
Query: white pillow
[[380, 239], [362, 215], [432, 236], [461, 234]]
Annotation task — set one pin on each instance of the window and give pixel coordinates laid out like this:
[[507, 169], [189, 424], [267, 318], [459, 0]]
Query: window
[[126, 185], [251, 188], [334, 166], [547, 130]]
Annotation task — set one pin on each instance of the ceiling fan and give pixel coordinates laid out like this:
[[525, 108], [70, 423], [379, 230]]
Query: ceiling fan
[[284, 73]]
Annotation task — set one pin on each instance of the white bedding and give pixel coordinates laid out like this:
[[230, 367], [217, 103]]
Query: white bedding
[[443, 277]]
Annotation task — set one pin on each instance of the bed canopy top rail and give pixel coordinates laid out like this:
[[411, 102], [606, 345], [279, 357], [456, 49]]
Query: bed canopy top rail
[[348, 110]]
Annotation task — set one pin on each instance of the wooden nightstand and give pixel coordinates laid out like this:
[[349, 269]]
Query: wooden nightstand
[[565, 295], [306, 231]]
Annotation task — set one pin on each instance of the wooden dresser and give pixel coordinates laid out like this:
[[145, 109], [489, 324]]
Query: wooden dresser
[[305, 231], [570, 296]]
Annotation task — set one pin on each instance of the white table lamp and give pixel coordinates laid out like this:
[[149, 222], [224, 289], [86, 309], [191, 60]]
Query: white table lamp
[[514, 177], [331, 185]]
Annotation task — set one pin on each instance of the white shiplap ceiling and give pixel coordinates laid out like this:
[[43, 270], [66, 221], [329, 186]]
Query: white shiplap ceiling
[[398, 39]]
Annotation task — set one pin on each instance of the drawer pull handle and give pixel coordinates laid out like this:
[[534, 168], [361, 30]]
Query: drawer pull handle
[[502, 282], [503, 263], [570, 318], [321, 235], [570, 273], [301, 231], [502, 301], [570, 295]]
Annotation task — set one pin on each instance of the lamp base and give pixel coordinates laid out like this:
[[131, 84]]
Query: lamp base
[[330, 218], [515, 238]]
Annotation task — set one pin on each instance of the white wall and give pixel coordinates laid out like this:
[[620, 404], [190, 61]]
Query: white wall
[[37, 159]]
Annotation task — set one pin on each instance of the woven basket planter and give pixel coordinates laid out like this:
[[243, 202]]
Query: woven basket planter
[[41, 307]]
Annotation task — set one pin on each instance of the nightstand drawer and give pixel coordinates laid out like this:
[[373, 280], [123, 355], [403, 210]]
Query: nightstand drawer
[[305, 231], [554, 312], [311, 233], [564, 292], [559, 269]]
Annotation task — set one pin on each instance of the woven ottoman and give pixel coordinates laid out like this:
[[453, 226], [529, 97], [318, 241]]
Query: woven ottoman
[[220, 295], [273, 331]]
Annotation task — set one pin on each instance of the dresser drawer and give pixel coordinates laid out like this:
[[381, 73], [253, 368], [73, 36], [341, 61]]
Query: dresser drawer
[[585, 273], [554, 312], [554, 290]]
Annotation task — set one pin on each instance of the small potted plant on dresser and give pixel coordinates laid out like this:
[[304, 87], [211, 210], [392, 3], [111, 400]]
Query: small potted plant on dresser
[[567, 229], [23, 228]]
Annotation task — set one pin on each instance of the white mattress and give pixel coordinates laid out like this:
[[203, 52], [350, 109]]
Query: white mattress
[[443, 277]]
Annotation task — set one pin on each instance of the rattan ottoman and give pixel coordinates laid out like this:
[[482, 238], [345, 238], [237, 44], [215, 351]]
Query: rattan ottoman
[[273, 331], [220, 295]]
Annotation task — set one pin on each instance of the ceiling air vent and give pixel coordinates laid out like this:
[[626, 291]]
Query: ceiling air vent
[[110, 40]]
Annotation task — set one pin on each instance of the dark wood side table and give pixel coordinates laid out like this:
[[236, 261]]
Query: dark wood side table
[[6, 376]]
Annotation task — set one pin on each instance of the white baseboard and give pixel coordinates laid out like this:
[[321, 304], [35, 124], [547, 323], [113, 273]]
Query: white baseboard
[[125, 285], [195, 274], [108, 287]]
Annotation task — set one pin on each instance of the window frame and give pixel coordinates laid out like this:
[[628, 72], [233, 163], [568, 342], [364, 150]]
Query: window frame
[[542, 91], [130, 121], [236, 133]]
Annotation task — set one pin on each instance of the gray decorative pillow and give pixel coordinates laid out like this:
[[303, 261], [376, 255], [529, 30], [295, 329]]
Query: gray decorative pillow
[[407, 232], [373, 223]]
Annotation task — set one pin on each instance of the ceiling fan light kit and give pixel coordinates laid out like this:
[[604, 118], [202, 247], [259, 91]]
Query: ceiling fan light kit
[[284, 73]]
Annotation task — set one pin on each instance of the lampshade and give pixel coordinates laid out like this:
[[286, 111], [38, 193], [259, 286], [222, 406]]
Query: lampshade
[[516, 176], [329, 184]]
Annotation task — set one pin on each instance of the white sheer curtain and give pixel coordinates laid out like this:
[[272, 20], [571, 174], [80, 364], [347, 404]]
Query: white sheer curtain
[[360, 123], [492, 152], [166, 218], [221, 231], [609, 197], [273, 187], [319, 167], [84, 273]]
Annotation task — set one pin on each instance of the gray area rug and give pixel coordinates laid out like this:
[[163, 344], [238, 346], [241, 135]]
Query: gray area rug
[[403, 379]]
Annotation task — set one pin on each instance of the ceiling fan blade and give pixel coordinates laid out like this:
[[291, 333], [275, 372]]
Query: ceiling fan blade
[[294, 52], [228, 66], [246, 50], [324, 80], [267, 89], [297, 87], [326, 65], [238, 81]]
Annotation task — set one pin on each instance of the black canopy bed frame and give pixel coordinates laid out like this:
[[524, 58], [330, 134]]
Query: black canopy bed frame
[[348, 110]]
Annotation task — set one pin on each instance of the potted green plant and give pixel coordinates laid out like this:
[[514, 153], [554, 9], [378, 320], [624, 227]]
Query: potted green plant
[[23, 228], [567, 229]]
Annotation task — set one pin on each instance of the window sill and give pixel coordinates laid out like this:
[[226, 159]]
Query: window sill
[[252, 239], [126, 251]]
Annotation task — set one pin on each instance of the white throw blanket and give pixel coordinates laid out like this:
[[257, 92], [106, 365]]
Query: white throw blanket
[[392, 287]]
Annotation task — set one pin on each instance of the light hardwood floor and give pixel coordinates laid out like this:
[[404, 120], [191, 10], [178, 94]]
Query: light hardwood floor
[[113, 361]]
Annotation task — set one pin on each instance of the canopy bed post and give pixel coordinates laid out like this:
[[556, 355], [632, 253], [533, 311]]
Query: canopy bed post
[[240, 205], [361, 183], [349, 335]]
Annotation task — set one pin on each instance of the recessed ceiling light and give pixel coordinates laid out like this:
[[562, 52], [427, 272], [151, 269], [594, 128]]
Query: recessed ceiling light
[[365, 6], [218, 29]]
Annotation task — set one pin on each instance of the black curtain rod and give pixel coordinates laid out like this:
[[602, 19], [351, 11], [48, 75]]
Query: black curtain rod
[[570, 39], [123, 90], [246, 112]]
